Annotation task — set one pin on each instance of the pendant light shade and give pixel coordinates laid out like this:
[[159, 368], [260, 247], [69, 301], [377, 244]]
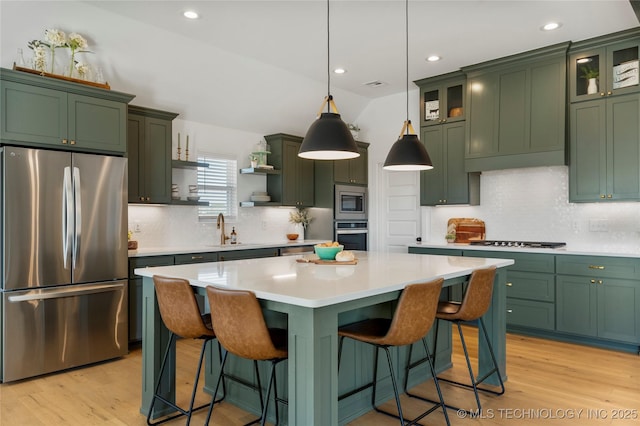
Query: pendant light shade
[[407, 153], [328, 137]]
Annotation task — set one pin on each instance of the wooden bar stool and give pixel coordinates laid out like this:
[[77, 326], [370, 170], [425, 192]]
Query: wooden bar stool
[[181, 315], [475, 304], [411, 322], [241, 330]]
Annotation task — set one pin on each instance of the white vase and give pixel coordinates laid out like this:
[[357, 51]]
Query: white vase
[[593, 86], [299, 229]]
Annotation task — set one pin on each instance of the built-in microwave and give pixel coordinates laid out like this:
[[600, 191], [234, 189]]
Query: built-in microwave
[[350, 202]]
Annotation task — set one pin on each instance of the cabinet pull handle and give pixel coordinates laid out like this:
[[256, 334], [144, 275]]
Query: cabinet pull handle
[[509, 311], [196, 257], [596, 267], [509, 284], [64, 141]]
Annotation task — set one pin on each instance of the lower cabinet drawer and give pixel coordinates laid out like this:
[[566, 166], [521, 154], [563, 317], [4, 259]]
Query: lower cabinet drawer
[[531, 313], [531, 285]]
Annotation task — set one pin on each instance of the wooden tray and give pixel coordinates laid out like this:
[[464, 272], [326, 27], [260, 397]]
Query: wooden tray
[[467, 229], [62, 77], [327, 262]]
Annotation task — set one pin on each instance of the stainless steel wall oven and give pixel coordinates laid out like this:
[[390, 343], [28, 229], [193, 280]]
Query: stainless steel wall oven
[[353, 235]]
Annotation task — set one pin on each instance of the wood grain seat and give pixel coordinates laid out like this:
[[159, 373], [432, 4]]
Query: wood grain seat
[[241, 330], [412, 320]]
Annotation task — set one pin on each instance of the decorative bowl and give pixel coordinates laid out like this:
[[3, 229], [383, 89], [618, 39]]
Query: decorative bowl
[[328, 253], [292, 237]]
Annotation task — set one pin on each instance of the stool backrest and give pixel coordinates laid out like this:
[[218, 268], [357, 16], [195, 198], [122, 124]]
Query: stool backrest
[[477, 298], [414, 314], [178, 307], [239, 324]]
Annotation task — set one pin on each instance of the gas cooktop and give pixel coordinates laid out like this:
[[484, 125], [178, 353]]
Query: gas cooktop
[[517, 244]]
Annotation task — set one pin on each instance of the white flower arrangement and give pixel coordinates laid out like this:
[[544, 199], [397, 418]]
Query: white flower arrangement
[[301, 216], [55, 39]]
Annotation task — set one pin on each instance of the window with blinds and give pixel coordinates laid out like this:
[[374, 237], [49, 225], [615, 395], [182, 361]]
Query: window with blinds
[[217, 185]]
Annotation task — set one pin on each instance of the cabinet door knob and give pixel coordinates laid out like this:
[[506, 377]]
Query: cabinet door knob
[[601, 93], [602, 196], [609, 93], [73, 142], [609, 196], [141, 198], [593, 281], [509, 284], [64, 141], [148, 198]]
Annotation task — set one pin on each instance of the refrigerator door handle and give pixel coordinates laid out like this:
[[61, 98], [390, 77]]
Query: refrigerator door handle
[[65, 292], [78, 215], [67, 209]]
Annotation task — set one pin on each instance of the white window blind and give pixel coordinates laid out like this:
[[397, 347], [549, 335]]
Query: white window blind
[[217, 185]]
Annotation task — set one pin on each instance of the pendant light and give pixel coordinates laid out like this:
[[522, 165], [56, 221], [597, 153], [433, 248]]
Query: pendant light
[[328, 137], [407, 153]]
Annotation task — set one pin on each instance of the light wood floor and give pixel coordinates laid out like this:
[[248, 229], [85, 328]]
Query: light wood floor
[[549, 383]]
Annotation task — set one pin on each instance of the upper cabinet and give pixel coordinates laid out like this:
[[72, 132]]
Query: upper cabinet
[[442, 99], [44, 111], [354, 171], [516, 110], [604, 66], [294, 186], [443, 132], [604, 126], [149, 153]]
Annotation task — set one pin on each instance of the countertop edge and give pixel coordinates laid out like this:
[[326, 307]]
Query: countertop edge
[[161, 251], [561, 251]]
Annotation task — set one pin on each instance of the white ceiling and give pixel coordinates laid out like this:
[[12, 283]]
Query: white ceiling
[[368, 36]]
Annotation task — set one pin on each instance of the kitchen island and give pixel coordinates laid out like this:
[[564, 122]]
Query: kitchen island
[[315, 299]]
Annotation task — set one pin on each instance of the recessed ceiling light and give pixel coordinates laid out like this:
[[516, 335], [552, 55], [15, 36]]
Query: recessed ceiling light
[[550, 26], [191, 14], [433, 58], [339, 71]]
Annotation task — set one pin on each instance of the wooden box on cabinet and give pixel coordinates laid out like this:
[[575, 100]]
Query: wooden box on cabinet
[[149, 153]]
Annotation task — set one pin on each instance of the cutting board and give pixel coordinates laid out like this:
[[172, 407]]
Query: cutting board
[[328, 262], [466, 229]]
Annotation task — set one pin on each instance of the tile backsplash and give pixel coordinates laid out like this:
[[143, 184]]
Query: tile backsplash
[[178, 226], [531, 204]]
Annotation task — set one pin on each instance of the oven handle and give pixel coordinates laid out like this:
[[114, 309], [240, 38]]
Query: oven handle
[[352, 231]]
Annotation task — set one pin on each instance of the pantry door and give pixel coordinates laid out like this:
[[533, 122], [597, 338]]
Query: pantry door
[[398, 209]]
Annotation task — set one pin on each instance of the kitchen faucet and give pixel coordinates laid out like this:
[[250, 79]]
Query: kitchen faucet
[[220, 226]]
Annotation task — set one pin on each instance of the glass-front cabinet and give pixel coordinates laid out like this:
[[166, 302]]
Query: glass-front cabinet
[[609, 68], [442, 99]]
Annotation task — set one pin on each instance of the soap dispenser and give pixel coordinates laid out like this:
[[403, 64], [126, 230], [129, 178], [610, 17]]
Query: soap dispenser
[[234, 236]]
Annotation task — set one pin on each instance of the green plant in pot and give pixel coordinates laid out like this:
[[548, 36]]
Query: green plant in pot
[[591, 75]]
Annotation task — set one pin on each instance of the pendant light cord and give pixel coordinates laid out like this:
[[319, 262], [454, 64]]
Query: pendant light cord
[[328, 61], [406, 23]]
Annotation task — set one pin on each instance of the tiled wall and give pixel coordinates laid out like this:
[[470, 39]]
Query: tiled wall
[[532, 204]]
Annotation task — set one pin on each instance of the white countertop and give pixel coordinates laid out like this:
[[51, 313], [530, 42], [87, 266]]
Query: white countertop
[[563, 250], [159, 251], [282, 279]]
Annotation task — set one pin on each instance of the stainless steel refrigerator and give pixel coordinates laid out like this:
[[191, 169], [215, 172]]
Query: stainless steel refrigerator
[[64, 260]]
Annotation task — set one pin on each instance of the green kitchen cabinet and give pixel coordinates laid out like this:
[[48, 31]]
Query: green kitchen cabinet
[[353, 171], [604, 146], [45, 112], [295, 185], [447, 183], [149, 152], [248, 254], [442, 99], [599, 297], [612, 60], [516, 111], [187, 258], [135, 291]]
